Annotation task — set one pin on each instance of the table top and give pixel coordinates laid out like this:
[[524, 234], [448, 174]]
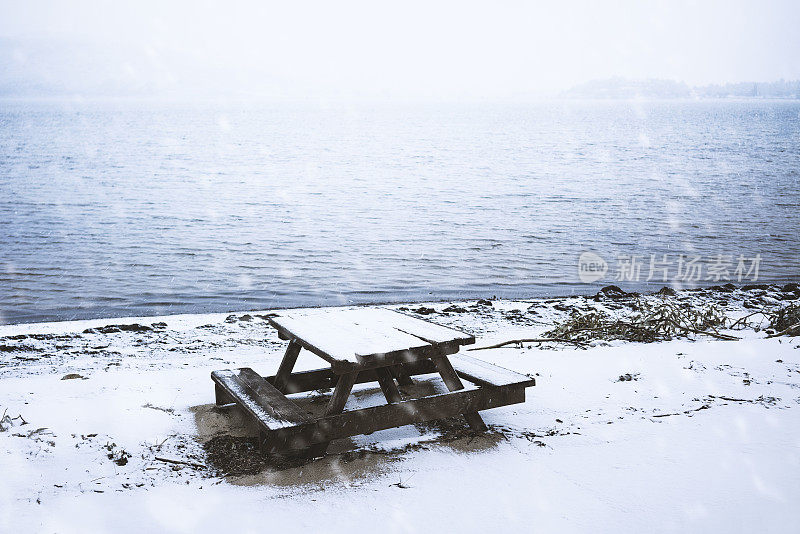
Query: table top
[[359, 336]]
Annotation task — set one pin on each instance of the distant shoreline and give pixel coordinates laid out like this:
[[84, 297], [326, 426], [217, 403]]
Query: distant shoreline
[[80, 101], [624, 88], [593, 291]]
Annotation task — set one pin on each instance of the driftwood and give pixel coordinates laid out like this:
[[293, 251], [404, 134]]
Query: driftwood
[[724, 337], [789, 331], [743, 320], [784, 321], [703, 407], [583, 345], [652, 322], [580, 344], [730, 399], [180, 462]]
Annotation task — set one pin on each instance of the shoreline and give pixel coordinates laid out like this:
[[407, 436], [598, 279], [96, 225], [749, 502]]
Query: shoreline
[[774, 286]]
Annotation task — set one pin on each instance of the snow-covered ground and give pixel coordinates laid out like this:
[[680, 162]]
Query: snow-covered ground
[[691, 434]]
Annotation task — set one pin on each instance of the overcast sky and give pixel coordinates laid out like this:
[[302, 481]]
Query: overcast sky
[[399, 49]]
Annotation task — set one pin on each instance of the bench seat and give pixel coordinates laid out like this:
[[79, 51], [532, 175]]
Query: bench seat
[[259, 398], [487, 374]]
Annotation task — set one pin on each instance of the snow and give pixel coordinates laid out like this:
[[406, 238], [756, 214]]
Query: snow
[[704, 436]]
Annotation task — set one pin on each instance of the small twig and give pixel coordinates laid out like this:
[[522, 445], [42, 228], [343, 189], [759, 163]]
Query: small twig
[[39, 431], [730, 399], [724, 337], [703, 407], [402, 484], [580, 344], [712, 333], [745, 318], [785, 331], [170, 461], [158, 447]]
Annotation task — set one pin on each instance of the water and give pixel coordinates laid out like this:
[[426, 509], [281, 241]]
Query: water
[[111, 209]]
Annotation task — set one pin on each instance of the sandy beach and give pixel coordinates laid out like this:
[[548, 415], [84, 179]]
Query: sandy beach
[[111, 425]]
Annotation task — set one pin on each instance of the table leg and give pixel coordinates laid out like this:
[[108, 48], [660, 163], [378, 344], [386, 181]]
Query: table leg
[[388, 386], [340, 394], [453, 383], [287, 364], [402, 376], [336, 405]]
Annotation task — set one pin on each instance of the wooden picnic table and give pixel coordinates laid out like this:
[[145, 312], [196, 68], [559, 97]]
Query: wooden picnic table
[[364, 345]]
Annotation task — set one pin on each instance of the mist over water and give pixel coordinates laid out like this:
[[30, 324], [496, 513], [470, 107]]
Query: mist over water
[[139, 208]]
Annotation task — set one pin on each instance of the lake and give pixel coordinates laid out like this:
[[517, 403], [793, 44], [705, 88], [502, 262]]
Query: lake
[[141, 208]]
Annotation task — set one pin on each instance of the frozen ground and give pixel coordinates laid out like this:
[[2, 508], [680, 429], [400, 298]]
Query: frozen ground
[[698, 435]]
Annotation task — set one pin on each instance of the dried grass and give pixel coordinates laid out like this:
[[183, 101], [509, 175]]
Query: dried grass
[[659, 320]]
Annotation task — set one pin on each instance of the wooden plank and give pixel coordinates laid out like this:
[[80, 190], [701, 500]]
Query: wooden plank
[[368, 420], [453, 383], [345, 332], [425, 330], [369, 337], [222, 397], [286, 366], [335, 406], [259, 398], [323, 340], [373, 344], [405, 357], [448, 374], [338, 342], [391, 324], [383, 360], [487, 374], [401, 375], [340, 394], [325, 378], [388, 386], [316, 379]]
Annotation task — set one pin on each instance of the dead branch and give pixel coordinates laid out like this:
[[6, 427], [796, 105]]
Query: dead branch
[[730, 399], [180, 462], [743, 320], [786, 331], [703, 407], [724, 337], [580, 344]]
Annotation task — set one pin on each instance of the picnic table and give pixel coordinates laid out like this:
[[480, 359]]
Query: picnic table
[[363, 345]]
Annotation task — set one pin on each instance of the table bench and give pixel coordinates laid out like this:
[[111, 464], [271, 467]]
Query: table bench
[[363, 345]]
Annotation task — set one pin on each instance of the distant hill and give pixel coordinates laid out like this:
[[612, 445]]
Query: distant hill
[[621, 88], [779, 89]]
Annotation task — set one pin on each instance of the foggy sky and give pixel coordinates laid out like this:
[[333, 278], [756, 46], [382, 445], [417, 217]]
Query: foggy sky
[[400, 49]]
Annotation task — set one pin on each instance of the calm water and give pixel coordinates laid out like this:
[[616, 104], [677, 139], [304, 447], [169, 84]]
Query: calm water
[[128, 209]]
